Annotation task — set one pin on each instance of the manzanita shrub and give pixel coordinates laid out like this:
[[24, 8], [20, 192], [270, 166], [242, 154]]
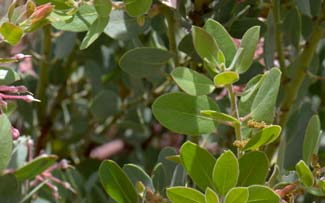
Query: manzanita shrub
[[209, 101]]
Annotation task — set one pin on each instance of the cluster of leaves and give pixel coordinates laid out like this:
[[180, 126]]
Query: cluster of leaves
[[192, 113], [134, 76]]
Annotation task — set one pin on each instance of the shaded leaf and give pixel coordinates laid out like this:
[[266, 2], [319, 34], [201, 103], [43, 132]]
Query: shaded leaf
[[311, 139], [223, 39], [5, 141], [8, 76], [248, 43], [292, 27], [159, 178], [251, 173], [144, 61], [265, 136], [122, 26], [10, 190], [135, 173], [116, 183], [105, 104], [79, 22], [59, 4], [168, 165], [137, 7], [205, 45], [103, 9], [263, 106], [180, 113], [35, 167], [251, 87]]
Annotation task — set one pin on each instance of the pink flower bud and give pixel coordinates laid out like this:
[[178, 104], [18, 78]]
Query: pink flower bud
[[30, 98], [41, 12], [21, 56], [15, 133]]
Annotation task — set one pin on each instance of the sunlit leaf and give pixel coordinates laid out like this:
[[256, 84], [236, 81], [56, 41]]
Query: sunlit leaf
[[192, 82]]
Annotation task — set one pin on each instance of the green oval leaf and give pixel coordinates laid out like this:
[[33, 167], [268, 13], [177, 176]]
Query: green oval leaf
[[169, 166], [251, 173], [180, 113], [11, 33], [248, 96], [105, 104], [144, 61], [8, 76], [35, 167], [223, 39], [311, 139], [5, 141], [116, 183], [251, 87], [205, 45], [198, 163], [237, 195], [265, 136], [225, 172], [192, 82], [103, 9], [225, 78], [219, 117], [137, 7], [292, 27], [122, 26], [184, 194], [262, 194], [248, 43], [304, 173], [322, 185], [79, 22], [211, 196], [59, 4], [10, 189], [159, 178], [263, 106], [135, 173]]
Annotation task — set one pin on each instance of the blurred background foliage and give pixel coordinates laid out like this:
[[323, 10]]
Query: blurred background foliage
[[92, 110]]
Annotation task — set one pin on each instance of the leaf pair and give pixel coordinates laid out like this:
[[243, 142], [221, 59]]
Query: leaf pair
[[103, 9], [213, 39], [208, 174], [194, 83], [260, 95], [251, 194], [222, 175]]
